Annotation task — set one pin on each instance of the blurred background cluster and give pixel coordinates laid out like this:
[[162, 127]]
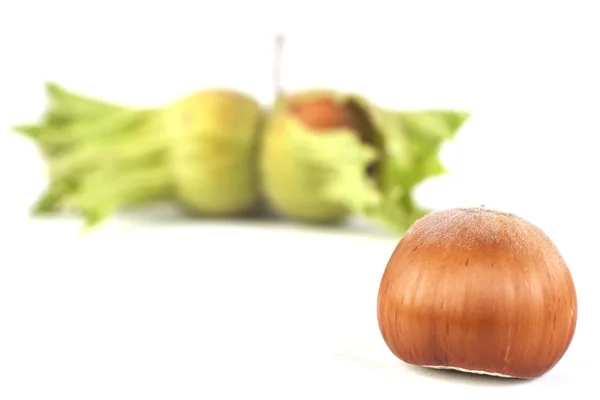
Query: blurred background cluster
[[527, 75]]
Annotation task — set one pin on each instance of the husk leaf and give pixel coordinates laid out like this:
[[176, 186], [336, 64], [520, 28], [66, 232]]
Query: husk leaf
[[315, 176]]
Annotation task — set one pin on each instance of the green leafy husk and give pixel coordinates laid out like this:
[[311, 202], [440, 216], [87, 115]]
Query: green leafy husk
[[313, 176], [409, 155], [103, 157], [370, 168]]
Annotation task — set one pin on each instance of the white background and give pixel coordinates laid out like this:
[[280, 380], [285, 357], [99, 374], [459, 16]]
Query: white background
[[143, 309]]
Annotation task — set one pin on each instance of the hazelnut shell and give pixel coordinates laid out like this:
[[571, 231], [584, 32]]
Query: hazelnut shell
[[480, 291]]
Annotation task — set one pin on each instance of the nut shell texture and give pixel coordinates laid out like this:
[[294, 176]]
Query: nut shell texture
[[477, 290]]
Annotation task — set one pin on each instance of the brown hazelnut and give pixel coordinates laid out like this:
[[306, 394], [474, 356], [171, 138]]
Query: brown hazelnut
[[480, 291], [321, 113]]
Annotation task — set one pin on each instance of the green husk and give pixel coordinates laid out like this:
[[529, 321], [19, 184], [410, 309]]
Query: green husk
[[66, 134], [370, 169], [103, 157], [409, 155], [313, 176], [203, 152]]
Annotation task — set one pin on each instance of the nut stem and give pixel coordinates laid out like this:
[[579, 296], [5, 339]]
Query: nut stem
[[278, 65]]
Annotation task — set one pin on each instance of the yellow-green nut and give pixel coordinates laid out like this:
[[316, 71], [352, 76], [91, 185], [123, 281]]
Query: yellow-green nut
[[214, 138], [313, 160]]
